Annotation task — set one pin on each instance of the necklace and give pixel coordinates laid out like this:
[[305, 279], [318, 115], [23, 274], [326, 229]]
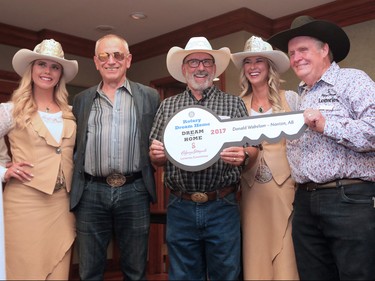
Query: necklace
[[260, 108], [47, 107]]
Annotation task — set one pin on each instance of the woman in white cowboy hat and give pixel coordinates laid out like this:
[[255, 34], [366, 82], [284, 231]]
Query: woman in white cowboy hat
[[267, 187], [39, 229]]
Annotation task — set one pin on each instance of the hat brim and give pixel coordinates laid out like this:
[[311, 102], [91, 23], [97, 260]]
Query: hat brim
[[324, 31], [23, 58], [176, 56], [280, 59]]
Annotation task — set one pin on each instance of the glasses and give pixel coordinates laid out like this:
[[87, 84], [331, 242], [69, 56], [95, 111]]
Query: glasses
[[195, 62], [103, 57]]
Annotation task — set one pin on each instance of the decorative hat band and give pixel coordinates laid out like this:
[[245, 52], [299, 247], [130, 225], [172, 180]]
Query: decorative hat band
[[50, 48], [256, 44]]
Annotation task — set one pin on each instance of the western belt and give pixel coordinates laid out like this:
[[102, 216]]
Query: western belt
[[311, 186], [202, 197], [115, 179]]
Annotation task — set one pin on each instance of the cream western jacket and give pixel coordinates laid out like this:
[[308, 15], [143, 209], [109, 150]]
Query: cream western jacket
[[36, 145], [275, 157]]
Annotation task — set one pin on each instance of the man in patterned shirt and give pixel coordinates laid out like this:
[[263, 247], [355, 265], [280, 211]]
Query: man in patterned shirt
[[203, 235], [334, 161]]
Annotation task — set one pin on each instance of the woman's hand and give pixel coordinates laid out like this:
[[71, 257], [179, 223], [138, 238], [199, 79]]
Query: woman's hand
[[234, 155], [18, 171]]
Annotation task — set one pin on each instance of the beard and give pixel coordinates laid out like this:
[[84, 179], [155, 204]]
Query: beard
[[199, 85]]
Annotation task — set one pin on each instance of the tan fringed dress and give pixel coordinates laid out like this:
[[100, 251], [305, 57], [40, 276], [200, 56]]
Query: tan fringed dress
[[266, 211], [39, 229]]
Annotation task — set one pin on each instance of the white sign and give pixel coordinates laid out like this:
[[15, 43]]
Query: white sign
[[194, 136]]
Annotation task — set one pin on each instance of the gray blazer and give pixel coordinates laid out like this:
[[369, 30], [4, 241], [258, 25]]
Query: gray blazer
[[146, 100]]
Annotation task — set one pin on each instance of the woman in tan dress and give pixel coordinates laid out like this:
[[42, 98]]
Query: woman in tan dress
[[39, 229], [266, 184]]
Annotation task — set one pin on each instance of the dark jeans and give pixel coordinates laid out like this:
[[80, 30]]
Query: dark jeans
[[203, 239], [334, 233], [102, 210]]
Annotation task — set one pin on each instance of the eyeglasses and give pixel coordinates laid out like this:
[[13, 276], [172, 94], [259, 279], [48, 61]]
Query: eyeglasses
[[103, 57], [195, 62]]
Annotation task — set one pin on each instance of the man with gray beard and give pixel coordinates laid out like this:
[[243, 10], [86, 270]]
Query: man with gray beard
[[203, 221]]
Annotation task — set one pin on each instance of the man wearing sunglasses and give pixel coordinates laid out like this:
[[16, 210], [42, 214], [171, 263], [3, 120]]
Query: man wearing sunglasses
[[113, 180], [203, 221]]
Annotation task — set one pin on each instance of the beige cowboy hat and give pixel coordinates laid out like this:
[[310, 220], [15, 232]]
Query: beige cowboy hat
[[322, 30], [176, 55], [47, 49], [255, 46]]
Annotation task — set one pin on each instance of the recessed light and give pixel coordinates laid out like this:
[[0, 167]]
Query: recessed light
[[104, 28], [138, 16]]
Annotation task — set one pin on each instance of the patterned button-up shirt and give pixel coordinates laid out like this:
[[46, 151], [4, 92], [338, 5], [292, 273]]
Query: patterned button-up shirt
[[346, 149]]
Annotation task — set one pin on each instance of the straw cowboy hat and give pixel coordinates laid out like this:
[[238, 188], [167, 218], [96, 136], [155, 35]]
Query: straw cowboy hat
[[322, 30], [47, 49], [176, 55], [255, 46]]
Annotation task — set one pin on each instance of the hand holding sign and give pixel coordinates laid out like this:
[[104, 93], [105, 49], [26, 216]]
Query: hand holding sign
[[194, 136]]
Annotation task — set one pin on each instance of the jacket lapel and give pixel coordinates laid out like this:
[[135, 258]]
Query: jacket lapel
[[41, 129], [138, 100]]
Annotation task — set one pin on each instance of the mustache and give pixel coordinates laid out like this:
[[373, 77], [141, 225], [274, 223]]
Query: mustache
[[201, 72]]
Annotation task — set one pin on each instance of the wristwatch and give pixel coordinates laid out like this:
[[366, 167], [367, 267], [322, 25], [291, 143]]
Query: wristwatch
[[246, 160]]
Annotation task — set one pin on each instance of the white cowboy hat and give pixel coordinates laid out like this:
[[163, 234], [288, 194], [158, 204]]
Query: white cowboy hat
[[176, 55], [255, 46], [47, 49]]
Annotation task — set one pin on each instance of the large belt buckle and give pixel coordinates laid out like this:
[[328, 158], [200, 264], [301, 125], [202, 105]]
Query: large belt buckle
[[199, 197], [116, 180]]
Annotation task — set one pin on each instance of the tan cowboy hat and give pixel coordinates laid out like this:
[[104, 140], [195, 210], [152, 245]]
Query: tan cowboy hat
[[322, 30], [255, 46], [176, 55], [47, 49]]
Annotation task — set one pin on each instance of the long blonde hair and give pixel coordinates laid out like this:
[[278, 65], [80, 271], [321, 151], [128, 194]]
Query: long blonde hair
[[24, 105], [273, 82]]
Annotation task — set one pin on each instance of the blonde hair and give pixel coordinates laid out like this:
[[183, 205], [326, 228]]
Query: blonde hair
[[273, 82], [24, 105]]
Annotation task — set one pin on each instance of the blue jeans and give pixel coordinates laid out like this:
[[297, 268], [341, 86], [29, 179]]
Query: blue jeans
[[203, 239], [102, 210], [334, 233]]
